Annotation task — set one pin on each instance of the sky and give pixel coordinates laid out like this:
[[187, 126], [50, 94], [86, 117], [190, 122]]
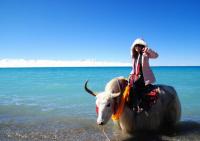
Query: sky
[[67, 31]]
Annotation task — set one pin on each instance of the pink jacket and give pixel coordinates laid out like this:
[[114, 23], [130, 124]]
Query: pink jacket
[[149, 77]]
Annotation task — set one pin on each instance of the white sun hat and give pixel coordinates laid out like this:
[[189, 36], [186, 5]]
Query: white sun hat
[[138, 41]]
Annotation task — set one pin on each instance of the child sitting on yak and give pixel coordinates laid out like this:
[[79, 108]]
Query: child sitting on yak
[[141, 76]]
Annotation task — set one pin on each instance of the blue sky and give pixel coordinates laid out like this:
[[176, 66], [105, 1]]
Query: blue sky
[[101, 30]]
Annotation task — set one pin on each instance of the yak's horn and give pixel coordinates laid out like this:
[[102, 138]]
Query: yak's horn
[[88, 90]]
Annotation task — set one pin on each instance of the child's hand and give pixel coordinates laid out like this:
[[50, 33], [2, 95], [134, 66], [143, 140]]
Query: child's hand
[[131, 79], [144, 50]]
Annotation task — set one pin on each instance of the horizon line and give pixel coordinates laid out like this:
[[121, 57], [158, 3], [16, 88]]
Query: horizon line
[[19, 63], [86, 67], [44, 63]]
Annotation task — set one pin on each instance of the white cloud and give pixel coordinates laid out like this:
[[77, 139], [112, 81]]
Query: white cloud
[[8, 63]]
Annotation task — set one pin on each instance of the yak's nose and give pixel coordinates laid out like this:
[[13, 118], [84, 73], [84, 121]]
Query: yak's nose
[[100, 122]]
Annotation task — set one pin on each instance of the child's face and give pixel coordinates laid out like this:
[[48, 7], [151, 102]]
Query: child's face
[[138, 48]]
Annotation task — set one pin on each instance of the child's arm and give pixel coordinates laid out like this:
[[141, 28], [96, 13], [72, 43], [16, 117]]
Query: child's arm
[[150, 53]]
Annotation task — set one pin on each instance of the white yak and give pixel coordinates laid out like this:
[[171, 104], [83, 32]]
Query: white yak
[[166, 111]]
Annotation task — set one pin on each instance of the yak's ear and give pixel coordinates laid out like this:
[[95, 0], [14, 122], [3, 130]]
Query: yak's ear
[[113, 95]]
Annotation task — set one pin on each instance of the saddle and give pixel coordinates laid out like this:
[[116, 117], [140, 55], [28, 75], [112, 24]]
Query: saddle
[[148, 97]]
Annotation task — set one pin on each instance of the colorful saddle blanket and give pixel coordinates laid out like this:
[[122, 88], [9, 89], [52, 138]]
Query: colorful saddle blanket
[[149, 98]]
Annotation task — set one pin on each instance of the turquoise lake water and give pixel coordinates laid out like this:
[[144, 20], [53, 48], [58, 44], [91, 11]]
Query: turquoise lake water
[[53, 99]]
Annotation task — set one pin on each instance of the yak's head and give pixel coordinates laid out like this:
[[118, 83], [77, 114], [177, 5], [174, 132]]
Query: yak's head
[[106, 101]]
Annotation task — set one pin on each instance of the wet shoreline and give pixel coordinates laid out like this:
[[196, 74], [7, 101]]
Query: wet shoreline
[[85, 129]]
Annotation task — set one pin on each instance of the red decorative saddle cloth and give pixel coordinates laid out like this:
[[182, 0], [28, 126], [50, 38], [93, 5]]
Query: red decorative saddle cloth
[[151, 97]]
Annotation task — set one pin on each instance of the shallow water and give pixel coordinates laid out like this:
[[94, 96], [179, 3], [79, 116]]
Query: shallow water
[[67, 129], [84, 130], [51, 104]]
